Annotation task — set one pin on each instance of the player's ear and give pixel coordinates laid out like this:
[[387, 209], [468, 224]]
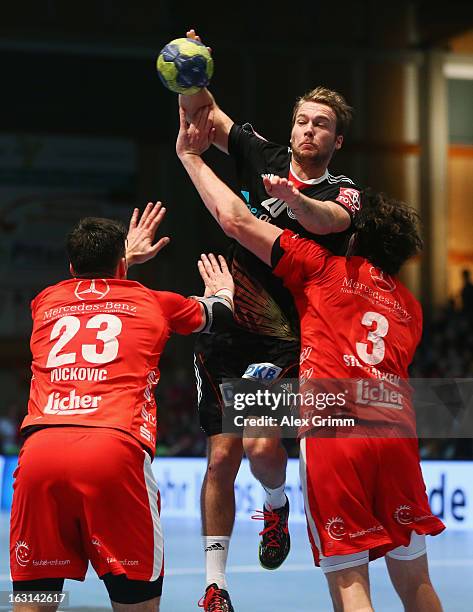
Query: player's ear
[[71, 270], [338, 142], [122, 268]]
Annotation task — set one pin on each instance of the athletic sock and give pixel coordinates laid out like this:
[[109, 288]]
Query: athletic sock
[[275, 498], [216, 553]]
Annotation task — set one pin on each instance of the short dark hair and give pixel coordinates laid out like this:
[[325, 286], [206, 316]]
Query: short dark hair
[[387, 231], [95, 246]]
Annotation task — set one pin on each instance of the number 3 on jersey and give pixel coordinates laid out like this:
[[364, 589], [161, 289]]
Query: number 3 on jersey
[[67, 327], [375, 336]]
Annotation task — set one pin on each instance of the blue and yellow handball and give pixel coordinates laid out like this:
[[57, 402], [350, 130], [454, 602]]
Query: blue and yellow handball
[[185, 66]]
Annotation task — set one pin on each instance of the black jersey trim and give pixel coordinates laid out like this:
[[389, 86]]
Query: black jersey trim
[[277, 252]]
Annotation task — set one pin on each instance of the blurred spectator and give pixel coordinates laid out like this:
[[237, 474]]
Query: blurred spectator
[[9, 429], [179, 434], [446, 351]]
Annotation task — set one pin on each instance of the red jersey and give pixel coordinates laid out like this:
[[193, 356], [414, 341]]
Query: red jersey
[[357, 323], [96, 346]]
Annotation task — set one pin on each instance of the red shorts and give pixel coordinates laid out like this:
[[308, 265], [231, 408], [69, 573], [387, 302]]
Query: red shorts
[[363, 494], [80, 494]]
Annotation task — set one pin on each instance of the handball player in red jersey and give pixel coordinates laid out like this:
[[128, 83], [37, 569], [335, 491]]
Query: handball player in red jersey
[[84, 489], [364, 497], [264, 345]]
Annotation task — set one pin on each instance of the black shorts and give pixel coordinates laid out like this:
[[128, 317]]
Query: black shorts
[[230, 356], [120, 588]]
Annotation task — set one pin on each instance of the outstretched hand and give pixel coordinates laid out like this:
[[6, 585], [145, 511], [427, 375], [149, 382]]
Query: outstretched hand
[[215, 274], [196, 137], [141, 233], [192, 34], [282, 189]]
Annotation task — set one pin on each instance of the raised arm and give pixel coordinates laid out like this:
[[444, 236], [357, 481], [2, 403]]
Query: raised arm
[[314, 215], [192, 104], [226, 207]]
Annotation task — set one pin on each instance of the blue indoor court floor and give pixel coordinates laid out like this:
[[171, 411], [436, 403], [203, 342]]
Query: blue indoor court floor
[[296, 587]]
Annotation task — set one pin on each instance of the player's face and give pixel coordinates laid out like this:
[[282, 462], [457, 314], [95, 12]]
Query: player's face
[[313, 137]]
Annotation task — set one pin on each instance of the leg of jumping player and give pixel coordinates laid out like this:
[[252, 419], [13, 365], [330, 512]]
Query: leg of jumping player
[[350, 589], [268, 460], [412, 583], [218, 503]]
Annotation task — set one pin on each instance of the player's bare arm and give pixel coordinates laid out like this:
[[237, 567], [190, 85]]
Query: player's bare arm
[[191, 104], [225, 206], [141, 234], [314, 215]]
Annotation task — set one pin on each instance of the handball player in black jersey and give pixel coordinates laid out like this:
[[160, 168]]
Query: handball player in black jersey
[[311, 201]]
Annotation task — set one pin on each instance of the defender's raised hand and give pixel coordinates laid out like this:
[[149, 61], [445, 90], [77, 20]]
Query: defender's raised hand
[[216, 276], [141, 233]]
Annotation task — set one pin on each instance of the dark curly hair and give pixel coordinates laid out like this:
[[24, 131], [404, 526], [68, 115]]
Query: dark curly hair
[[387, 231]]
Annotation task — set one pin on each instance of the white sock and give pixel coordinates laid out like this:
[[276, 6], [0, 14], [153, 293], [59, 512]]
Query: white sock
[[216, 553], [276, 498]]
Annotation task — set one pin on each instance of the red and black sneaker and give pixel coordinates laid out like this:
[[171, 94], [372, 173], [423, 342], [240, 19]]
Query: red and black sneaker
[[216, 600], [275, 541]]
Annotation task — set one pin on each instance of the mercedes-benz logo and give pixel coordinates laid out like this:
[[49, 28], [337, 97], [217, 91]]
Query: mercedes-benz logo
[[382, 282], [95, 289]]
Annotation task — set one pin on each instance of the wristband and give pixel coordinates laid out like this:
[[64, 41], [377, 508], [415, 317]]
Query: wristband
[[225, 292]]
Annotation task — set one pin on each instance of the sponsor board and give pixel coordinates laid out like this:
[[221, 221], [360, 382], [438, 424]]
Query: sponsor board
[[449, 487]]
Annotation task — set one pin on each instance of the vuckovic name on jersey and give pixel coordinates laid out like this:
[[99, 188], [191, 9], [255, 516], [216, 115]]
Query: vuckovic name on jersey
[[89, 374], [71, 404]]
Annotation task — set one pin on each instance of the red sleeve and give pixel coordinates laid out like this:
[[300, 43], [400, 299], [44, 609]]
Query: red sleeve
[[300, 259], [420, 322], [183, 314], [350, 199]]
